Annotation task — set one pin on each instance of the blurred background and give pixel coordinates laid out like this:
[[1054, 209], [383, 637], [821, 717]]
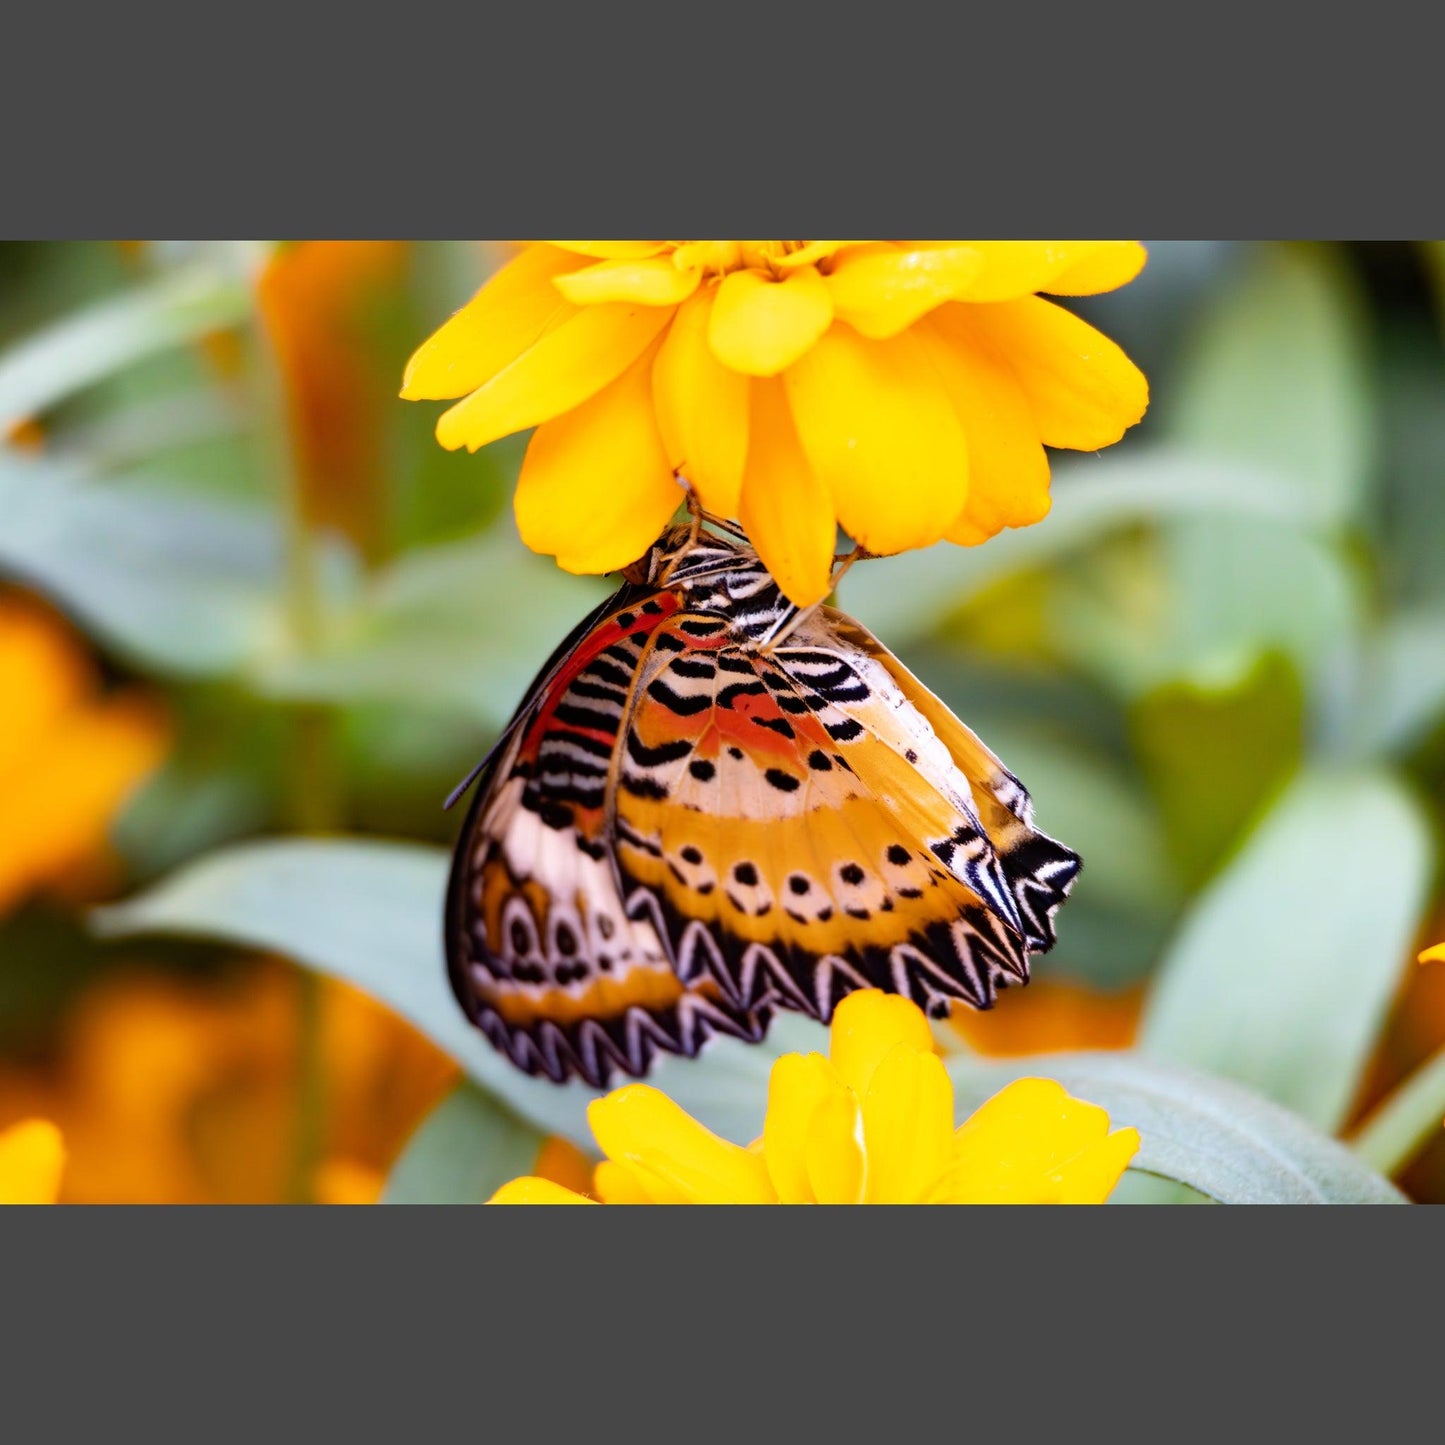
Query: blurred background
[[243, 593]]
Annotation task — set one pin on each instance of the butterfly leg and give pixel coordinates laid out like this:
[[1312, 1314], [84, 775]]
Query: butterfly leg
[[789, 624]]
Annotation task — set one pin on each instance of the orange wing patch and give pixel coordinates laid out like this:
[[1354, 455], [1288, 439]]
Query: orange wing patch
[[791, 854]]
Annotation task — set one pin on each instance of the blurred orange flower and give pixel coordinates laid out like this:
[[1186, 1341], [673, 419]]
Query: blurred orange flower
[[185, 1092], [315, 298], [69, 753], [1050, 1016]]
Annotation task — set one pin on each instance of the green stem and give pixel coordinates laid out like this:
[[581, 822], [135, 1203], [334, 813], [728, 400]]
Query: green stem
[[315, 790], [1399, 1128]]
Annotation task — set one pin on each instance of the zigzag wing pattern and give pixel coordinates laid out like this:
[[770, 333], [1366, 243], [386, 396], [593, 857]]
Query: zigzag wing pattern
[[1039, 871], [785, 850], [541, 953]]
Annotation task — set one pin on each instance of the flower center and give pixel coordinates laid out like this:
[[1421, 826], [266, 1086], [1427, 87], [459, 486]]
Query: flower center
[[717, 258]]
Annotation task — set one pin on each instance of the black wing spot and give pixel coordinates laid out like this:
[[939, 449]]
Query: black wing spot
[[799, 884], [819, 761], [851, 873], [911, 756], [745, 874], [675, 701], [701, 769], [736, 753], [897, 854], [783, 782], [691, 854], [779, 725], [845, 731]]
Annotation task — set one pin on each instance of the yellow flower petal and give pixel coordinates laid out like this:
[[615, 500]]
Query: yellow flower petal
[[702, 409], [613, 250], [760, 326], [810, 254], [638, 1125], [1434, 955], [1081, 388], [1008, 469], [570, 362], [867, 1026], [797, 1087], [654, 281], [32, 1157], [836, 1162], [596, 487], [615, 1183], [1010, 269], [907, 1126], [1033, 1142], [1111, 265], [785, 509], [1090, 1176], [881, 290], [495, 327], [536, 1191], [877, 427]]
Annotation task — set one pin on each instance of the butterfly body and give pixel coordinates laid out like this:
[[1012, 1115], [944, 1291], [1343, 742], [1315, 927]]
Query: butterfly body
[[710, 807]]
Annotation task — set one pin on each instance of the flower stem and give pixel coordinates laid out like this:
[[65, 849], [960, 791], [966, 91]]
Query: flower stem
[[314, 792], [1399, 1128]]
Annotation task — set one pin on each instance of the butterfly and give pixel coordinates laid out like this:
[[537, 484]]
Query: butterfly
[[712, 805]]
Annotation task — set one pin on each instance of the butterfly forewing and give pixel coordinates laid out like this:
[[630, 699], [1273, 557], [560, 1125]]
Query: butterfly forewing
[[541, 951]]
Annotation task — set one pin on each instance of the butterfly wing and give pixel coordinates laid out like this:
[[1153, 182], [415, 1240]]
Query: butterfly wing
[[541, 951], [1039, 871], [798, 828]]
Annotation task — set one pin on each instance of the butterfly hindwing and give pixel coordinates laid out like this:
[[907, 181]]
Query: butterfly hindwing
[[780, 810], [541, 952], [1038, 870]]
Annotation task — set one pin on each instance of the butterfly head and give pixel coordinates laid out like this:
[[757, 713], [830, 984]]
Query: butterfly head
[[715, 573]]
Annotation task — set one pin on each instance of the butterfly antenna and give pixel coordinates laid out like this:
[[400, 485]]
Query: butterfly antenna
[[470, 778]]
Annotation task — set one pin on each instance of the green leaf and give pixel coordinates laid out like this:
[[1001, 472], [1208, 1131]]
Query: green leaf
[[89, 346], [1215, 752], [1405, 1122], [1221, 1140], [1281, 974], [465, 625], [1402, 690], [463, 1152], [371, 914], [1276, 375], [1240, 586], [904, 597], [182, 584]]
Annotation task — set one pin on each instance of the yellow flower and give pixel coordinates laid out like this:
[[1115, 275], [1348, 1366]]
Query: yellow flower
[[69, 756], [870, 1124], [31, 1158], [903, 388], [1434, 955]]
